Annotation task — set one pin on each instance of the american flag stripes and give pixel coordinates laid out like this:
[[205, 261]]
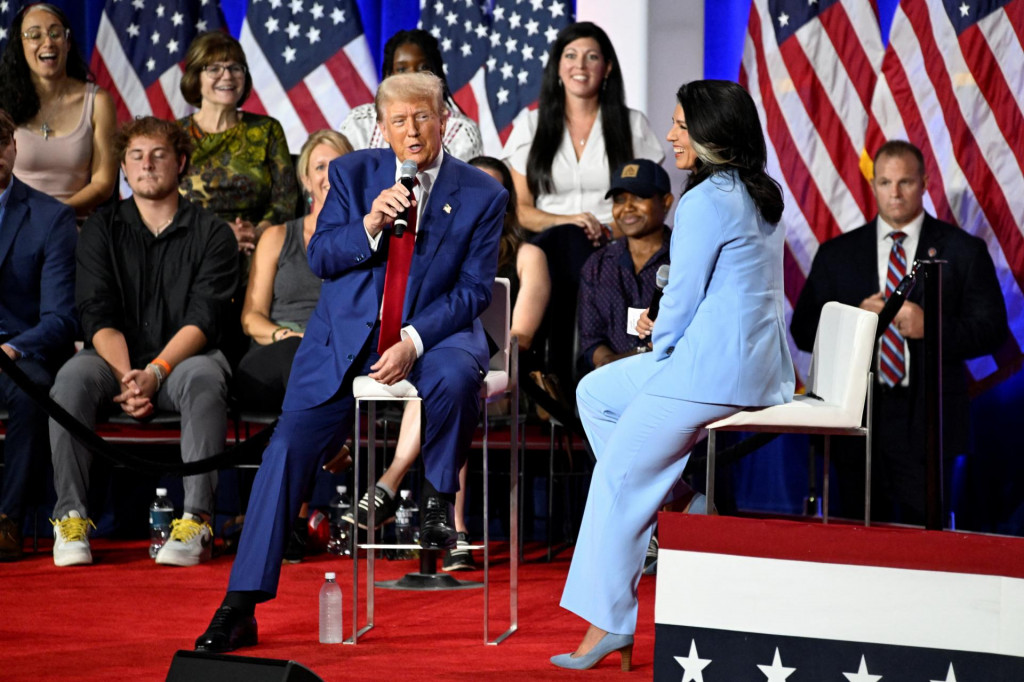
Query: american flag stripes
[[310, 63], [139, 49], [952, 82], [494, 62], [811, 67]]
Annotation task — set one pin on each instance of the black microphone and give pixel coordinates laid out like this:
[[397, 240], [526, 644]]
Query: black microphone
[[408, 179], [895, 301], [660, 281]]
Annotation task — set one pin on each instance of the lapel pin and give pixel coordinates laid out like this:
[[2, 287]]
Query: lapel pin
[[447, 208]]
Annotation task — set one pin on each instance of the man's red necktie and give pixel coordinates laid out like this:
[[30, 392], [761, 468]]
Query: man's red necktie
[[395, 280]]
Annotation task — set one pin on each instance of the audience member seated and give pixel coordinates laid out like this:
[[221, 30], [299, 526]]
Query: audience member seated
[[618, 281], [283, 291], [37, 323], [526, 268], [562, 155], [279, 300], [65, 121], [406, 52], [155, 279], [241, 169]]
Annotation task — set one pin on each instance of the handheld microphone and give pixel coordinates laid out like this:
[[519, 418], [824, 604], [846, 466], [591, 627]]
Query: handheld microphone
[[660, 281], [408, 178]]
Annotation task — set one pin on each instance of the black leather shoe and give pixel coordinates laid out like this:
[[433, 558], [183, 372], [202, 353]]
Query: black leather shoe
[[229, 630], [10, 539], [436, 530]]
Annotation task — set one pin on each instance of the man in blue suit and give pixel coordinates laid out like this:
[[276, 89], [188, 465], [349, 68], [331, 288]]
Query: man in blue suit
[[37, 322], [455, 217]]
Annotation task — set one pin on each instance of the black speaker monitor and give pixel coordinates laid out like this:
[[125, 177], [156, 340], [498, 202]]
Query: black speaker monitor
[[196, 666]]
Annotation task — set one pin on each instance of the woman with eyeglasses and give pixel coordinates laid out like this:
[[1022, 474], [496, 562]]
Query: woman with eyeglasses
[[65, 121], [241, 168]]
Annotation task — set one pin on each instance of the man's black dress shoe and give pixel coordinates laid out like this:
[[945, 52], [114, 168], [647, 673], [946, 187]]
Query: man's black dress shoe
[[229, 630], [436, 530]]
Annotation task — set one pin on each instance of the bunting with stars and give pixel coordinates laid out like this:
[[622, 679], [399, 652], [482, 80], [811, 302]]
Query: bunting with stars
[[310, 63], [494, 62], [139, 49], [783, 601]]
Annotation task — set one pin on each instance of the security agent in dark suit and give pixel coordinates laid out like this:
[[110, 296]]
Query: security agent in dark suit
[[37, 322], [442, 348], [851, 269]]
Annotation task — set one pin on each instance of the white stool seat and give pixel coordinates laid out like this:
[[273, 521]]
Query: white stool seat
[[838, 386], [365, 388]]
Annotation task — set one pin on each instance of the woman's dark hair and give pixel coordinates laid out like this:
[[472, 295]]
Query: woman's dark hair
[[17, 94], [431, 50], [618, 140], [511, 232], [725, 133], [205, 49]]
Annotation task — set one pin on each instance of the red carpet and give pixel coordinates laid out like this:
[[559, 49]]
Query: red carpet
[[124, 617]]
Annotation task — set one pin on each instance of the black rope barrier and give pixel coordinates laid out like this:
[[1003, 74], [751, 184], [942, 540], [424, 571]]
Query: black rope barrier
[[246, 451]]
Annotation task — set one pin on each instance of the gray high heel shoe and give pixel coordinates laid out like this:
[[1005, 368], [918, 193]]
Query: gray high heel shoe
[[608, 644]]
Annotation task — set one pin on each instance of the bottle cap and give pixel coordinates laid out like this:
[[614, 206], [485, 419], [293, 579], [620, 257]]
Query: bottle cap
[[161, 492], [329, 575], [404, 494]]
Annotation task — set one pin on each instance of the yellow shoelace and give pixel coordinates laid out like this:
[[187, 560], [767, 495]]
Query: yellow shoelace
[[184, 530], [72, 529]]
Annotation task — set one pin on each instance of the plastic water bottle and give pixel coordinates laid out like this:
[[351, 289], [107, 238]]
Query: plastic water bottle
[[406, 526], [340, 541], [161, 513], [330, 611]]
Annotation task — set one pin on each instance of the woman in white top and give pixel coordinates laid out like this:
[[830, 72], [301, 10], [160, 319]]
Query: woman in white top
[[562, 154], [406, 51]]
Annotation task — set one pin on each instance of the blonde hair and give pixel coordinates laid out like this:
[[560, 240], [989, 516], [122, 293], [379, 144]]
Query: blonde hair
[[331, 138], [411, 86]]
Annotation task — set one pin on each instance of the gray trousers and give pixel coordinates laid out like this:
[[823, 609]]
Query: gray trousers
[[85, 386]]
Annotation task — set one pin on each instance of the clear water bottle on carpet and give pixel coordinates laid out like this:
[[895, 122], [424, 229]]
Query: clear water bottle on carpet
[[330, 611], [161, 513], [340, 542], [406, 525]]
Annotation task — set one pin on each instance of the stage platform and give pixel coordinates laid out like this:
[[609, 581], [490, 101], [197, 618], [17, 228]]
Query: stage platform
[[754, 599]]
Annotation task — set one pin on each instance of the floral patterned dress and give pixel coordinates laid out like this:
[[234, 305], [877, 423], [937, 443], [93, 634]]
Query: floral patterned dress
[[243, 171]]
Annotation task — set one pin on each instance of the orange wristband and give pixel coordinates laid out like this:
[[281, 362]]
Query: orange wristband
[[163, 365]]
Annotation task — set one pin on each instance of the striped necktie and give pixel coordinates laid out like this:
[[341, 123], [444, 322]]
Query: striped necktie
[[892, 364]]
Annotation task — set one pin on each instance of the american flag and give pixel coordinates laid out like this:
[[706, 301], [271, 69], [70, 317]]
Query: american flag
[[811, 67], [310, 63], [494, 61], [8, 8], [952, 82], [139, 49]]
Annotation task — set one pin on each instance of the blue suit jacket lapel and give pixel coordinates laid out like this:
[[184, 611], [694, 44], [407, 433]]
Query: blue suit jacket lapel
[[432, 228], [14, 218]]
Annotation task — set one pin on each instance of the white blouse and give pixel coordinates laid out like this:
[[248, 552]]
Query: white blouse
[[461, 138], [579, 185]]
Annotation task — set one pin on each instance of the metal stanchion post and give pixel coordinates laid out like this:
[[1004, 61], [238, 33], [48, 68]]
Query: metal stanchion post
[[932, 271]]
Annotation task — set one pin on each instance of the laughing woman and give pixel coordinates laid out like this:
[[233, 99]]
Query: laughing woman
[[65, 121], [719, 346]]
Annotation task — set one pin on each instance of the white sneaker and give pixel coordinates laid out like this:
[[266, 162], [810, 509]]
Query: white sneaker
[[191, 542], [71, 540]]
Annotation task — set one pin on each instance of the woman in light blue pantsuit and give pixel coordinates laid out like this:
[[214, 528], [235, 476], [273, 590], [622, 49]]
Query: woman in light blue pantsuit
[[719, 346]]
